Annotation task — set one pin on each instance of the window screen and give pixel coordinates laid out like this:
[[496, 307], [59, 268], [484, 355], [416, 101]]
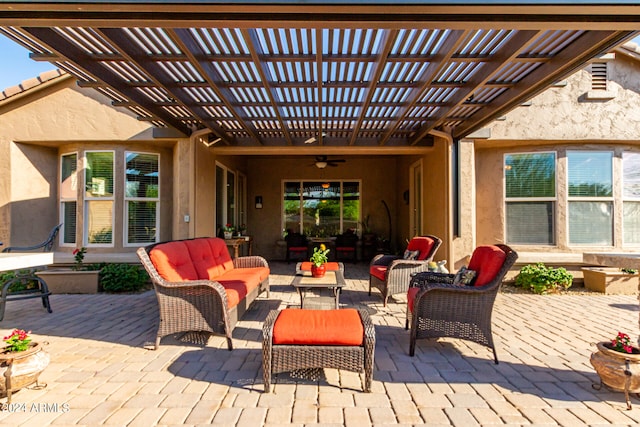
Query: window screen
[[530, 188]]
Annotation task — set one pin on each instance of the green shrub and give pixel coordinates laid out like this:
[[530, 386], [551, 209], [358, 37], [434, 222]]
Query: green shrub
[[123, 278], [19, 285], [541, 279]]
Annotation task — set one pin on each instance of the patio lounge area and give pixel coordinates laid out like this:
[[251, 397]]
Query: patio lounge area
[[101, 372]]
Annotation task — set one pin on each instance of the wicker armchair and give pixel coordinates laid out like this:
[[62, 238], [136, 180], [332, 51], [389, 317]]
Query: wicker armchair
[[391, 274], [436, 307]]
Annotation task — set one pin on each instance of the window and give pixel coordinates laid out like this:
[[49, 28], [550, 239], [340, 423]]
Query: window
[[631, 198], [142, 197], [530, 190], [322, 209], [68, 197], [226, 208], [99, 198], [590, 183]]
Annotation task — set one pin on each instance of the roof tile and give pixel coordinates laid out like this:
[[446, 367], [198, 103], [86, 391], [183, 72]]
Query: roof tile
[[31, 83]]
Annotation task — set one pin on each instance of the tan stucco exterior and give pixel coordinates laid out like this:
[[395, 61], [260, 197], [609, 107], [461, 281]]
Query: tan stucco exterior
[[55, 118], [569, 116]]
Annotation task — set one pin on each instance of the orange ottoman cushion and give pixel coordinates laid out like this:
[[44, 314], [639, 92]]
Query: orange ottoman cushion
[[318, 327]]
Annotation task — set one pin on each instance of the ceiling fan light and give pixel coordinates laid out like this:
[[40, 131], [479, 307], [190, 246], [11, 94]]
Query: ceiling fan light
[[326, 185], [321, 165]]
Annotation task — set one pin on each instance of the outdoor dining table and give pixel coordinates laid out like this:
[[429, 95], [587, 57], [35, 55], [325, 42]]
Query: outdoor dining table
[[19, 260]]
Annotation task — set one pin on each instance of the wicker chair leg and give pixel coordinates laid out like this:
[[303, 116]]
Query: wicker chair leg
[[495, 355], [158, 338], [229, 343], [412, 347]]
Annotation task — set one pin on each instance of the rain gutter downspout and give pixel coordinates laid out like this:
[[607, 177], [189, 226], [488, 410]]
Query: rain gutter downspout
[[192, 182], [449, 138]]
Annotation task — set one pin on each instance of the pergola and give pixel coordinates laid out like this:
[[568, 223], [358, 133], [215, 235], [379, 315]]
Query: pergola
[[330, 74]]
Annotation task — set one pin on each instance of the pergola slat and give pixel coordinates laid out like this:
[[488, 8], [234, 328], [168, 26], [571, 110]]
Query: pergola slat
[[337, 75]]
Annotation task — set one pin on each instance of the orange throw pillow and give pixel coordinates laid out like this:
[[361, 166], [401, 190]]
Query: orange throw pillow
[[319, 327]]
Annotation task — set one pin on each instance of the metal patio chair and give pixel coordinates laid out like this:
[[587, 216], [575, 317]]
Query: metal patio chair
[[35, 287]]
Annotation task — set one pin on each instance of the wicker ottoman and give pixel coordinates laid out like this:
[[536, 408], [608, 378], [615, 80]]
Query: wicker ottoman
[[296, 339]]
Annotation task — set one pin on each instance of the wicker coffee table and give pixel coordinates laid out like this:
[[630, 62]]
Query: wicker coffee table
[[332, 280]]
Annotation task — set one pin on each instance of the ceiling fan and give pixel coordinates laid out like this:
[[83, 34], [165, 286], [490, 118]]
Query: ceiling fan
[[323, 161]]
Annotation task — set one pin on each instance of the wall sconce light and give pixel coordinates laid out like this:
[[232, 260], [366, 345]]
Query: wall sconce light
[[258, 202]]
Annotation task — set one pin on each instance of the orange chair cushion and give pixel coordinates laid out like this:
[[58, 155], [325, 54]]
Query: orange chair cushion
[[378, 271], [330, 266], [173, 262], [411, 295], [486, 261], [345, 249], [297, 249], [422, 244], [318, 327]]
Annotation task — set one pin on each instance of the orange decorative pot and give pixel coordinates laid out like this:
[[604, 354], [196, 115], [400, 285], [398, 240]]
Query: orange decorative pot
[[21, 369], [618, 371], [318, 271]]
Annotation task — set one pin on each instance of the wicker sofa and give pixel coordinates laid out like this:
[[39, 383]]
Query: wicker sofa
[[200, 288]]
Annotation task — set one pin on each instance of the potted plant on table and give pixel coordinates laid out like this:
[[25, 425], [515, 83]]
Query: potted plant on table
[[617, 363], [318, 261], [228, 231]]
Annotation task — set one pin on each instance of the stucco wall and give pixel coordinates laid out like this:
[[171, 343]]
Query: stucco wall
[[560, 119], [266, 174], [56, 118], [564, 113]]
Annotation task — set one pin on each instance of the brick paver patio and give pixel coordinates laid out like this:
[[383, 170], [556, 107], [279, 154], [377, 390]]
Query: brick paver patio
[[101, 373]]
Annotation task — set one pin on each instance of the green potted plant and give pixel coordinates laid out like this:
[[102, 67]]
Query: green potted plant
[[318, 261]]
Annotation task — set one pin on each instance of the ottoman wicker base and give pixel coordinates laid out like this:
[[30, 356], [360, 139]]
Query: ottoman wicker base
[[291, 357]]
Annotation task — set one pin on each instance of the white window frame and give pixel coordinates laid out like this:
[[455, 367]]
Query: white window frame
[[126, 200], [86, 199], [626, 199], [553, 199], [610, 199], [63, 200], [225, 196]]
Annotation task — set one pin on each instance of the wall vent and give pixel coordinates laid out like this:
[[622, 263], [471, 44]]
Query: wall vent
[[599, 76]]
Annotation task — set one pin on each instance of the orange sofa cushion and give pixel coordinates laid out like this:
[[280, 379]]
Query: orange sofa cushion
[[330, 266], [422, 244], [239, 282], [486, 261], [173, 262], [318, 327]]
